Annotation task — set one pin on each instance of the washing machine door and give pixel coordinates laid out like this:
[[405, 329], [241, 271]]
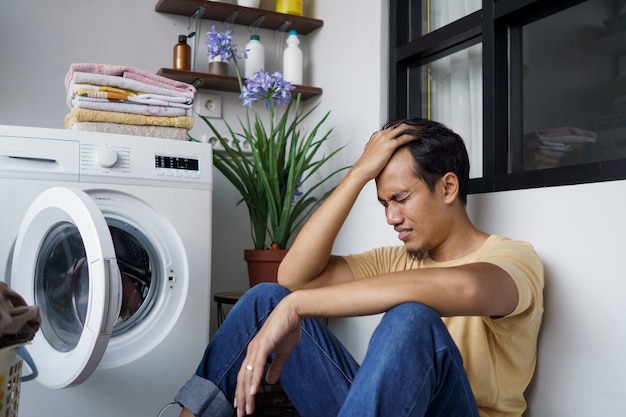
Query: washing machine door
[[64, 262]]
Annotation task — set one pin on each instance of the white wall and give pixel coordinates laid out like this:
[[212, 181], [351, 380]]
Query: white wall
[[40, 40], [579, 231], [346, 58]]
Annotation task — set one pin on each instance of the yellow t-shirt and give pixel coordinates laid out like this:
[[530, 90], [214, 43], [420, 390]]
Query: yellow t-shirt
[[499, 354]]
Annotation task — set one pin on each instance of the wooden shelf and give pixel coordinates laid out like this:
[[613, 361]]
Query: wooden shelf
[[232, 13], [225, 12], [205, 81]]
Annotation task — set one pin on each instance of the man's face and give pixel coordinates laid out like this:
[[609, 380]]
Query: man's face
[[415, 212]]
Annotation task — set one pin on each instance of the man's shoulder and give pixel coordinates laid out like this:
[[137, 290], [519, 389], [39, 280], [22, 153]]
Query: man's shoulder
[[503, 243]]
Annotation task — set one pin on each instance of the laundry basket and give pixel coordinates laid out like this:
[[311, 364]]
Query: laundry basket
[[11, 361]]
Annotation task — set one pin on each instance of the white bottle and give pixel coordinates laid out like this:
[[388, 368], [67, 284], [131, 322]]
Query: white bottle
[[292, 59], [256, 56]]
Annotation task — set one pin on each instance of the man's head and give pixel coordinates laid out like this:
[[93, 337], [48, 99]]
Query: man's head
[[437, 151], [424, 186]]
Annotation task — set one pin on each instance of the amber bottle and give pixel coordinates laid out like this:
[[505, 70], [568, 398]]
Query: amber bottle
[[182, 54]]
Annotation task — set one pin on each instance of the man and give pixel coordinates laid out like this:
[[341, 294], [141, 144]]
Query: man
[[450, 286]]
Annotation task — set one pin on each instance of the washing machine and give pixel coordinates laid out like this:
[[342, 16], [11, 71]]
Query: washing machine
[[110, 235]]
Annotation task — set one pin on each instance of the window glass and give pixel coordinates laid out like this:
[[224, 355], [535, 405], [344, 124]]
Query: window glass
[[452, 94], [574, 86], [438, 13]]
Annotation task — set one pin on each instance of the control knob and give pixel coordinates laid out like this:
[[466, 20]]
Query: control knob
[[106, 157]]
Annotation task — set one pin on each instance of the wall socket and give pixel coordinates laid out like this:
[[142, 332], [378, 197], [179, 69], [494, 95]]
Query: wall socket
[[209, 105]]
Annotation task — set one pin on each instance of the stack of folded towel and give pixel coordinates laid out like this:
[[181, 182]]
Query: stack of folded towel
[[126, 100], [547, 148]]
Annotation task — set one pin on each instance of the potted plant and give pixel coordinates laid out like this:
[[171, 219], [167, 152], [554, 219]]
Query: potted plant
[[272, 159]]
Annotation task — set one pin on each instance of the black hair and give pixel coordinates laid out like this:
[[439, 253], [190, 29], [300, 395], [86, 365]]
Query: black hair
[[438, 151]]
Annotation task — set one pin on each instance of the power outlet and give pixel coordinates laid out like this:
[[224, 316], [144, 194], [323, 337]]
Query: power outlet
[[209, 105]]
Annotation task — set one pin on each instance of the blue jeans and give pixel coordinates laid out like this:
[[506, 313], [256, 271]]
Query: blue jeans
[[412, 366]]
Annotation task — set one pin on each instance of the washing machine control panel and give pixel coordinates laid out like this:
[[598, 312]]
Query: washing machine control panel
[[104, 158], [145, 160]]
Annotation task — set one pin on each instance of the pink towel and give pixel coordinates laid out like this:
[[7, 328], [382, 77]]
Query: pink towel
[[130, 73], [565, 131], [562, 135]]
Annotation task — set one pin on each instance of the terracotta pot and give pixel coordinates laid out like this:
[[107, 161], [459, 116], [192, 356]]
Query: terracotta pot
[[263, 264]]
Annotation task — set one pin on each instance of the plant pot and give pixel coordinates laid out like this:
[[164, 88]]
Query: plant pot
[[263, 264], [218, 67]]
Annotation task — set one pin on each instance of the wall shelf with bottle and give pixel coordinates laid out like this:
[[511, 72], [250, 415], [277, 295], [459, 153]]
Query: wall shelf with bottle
[[232, 13], [206, 81]]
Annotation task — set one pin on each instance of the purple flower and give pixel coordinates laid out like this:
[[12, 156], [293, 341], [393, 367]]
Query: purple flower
[[298, 193], [220, 44], [272, 89]]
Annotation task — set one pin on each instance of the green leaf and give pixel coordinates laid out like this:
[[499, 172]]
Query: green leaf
[[283, 159]]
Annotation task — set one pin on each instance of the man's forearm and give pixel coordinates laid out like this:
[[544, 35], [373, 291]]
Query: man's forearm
[[310, 253]]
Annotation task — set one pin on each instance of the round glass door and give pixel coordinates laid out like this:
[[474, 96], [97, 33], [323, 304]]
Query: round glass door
[[62, 286], [64, 262]]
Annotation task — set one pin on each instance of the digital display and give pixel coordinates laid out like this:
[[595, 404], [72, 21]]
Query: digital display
[[173, 162]]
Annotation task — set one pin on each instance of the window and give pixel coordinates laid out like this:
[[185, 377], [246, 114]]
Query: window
[[536, 88], [452, 94], [436, 14]]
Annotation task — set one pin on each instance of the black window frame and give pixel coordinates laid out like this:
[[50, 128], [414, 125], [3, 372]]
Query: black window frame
[[498, 26]]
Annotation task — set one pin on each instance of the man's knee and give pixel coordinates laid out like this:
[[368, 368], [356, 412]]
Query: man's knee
[[408, 315], [265, 292], [413, 324]]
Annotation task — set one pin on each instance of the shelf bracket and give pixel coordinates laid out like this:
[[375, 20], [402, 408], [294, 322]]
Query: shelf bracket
[[194, 23], [198, 82], [284, 26], [230, 20], [198, 14], [257, 23]]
